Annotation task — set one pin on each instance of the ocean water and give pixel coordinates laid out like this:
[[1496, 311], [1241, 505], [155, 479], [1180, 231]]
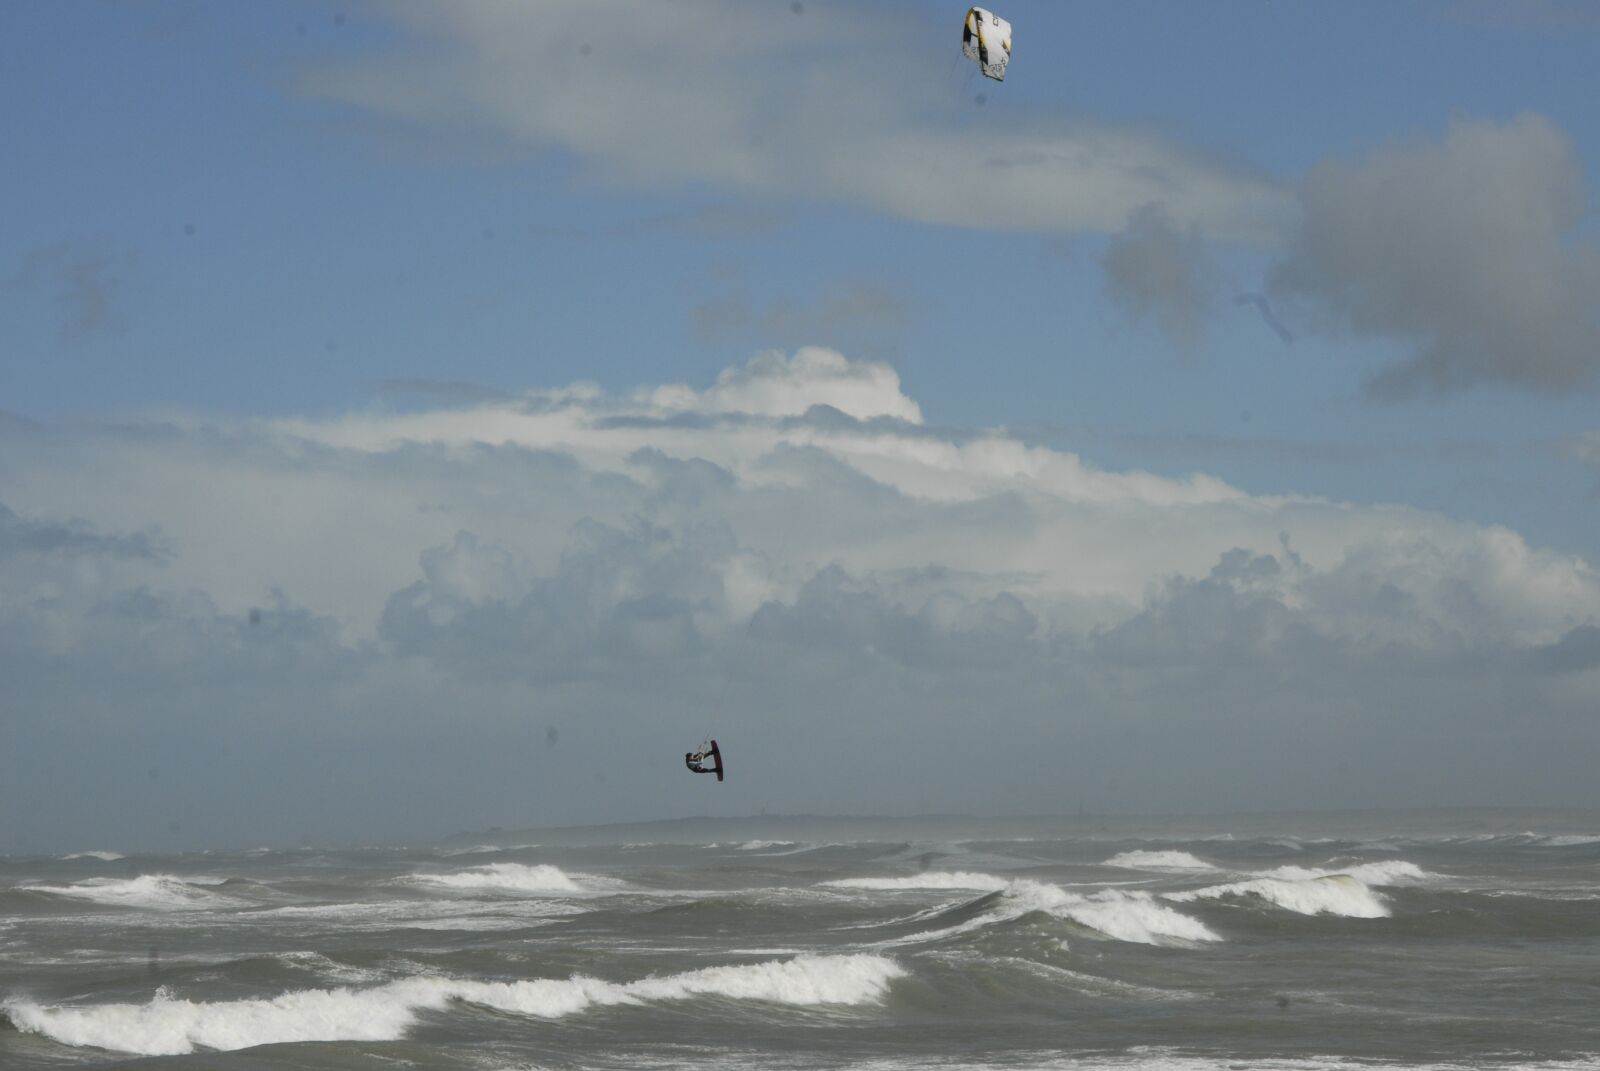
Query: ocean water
[[1298, 943]]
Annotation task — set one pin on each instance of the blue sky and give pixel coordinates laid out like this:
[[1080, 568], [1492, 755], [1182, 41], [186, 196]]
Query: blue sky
[[263, 252], [295, 219]]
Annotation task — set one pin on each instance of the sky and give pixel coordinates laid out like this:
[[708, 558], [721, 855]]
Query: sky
[[421, 417]]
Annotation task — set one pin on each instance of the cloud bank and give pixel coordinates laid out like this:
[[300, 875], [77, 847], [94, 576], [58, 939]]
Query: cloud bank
[[374, 625], [750, 98]]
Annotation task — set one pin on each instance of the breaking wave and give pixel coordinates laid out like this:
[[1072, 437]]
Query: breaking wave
[[169, 1027], [1118, 914], [1336, 894], [1146, 860], [162, 892], [104, 857], [1345, 891], [1387, 872], [1123, 915], [511, 878], [930, 879]]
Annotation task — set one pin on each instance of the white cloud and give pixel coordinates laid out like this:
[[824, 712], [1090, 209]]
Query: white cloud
[[426, 586], [847, 103], [774, 385]]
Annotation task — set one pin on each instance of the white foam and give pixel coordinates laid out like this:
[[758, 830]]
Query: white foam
[[1332, 894], [104, 857], [1386, 872], [1120, 914], [927, 879], [1569, 840], [169, 1027], [325, 967], [159, 891], [486, 849], [1123, 915], [759, 845], [1144, 860], [450, 914], [515, 878]]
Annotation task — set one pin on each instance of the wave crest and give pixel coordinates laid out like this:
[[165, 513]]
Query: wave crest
[[169, 1027], [163, 892], [1148, 860], [513, 878], [928, 879]]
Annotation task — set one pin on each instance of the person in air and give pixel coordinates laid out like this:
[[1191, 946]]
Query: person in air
[[696, 760]]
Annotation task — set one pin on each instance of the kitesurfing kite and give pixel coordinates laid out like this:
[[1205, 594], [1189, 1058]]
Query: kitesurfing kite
[[696, 760], [986, 38]]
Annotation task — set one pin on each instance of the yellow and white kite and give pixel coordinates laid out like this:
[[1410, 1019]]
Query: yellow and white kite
[[986, 38]]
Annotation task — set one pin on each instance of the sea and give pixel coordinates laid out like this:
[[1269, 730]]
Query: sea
[[1405, 940]]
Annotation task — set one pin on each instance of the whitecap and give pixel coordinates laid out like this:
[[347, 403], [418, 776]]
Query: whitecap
[[1332, 894], [1147, 860], [1384, 872], [170, 1027], [927, 879], [517, 879], [159, 891], [1118, 914]]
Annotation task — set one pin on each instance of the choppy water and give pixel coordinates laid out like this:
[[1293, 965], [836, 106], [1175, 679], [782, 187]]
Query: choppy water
[[1074, 948]]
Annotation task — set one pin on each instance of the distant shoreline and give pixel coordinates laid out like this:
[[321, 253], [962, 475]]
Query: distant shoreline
[[1457, 821]]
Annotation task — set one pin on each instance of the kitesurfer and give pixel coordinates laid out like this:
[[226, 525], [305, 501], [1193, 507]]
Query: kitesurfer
[[695, 760]]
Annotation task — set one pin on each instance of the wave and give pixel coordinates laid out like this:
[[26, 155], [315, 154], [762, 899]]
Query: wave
[[486, 849], [162, 892], [1335, 894], [1118, 914], [453, 914], [511, 878], [1343, 891], [1123, 915], [929, 879], [327, 968], [171, 1027], [1386, 872], [1147, 860], [104, 857]]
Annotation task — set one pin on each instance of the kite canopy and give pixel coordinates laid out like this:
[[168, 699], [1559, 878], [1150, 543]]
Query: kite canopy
[[986, 39]]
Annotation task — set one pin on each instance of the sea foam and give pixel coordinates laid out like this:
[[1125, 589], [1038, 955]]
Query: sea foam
[[512, 878], [162, 892], [169, 1027], [1333, 894], [928, 879], [1119, 914], [1123, 915], [1345, 891], [1385, 872], [1147, 860]]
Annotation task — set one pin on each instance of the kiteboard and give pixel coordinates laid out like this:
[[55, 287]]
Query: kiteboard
[[696, 760]]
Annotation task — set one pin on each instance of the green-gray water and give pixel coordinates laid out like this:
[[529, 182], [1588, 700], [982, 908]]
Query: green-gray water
[[822, 943]]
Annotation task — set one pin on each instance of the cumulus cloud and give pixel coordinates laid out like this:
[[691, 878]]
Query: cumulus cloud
[[745, 97], [1466, 249], [789, 553]]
